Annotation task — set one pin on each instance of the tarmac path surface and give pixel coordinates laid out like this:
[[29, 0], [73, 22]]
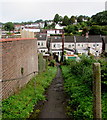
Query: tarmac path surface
[[54, 107]]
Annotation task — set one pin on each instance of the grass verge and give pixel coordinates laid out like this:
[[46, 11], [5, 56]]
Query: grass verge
[[22, 104]]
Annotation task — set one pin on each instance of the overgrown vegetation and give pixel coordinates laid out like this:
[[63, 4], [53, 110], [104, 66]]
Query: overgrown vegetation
[[42, 63], [78, 85], [22, 104]]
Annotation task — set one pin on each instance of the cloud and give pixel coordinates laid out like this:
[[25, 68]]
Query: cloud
[[26, 11], [52, 0]]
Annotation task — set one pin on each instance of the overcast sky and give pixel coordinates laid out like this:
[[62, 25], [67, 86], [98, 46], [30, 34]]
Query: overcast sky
[[32, 10]]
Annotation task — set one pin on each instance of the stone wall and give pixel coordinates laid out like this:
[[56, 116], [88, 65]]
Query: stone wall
[[19, 63]]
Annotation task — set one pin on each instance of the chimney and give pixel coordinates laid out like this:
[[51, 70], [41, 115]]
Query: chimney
[[87, 36]]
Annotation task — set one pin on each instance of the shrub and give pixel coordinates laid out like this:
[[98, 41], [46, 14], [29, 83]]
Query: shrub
[[21, 105], [78, 78]]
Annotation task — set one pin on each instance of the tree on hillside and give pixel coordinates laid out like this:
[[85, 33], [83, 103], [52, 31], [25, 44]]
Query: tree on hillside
[[56, 18], [95, 30], [65, 20], [37, 21], [45, 25], [80, 18], [100, 18], [60, 18], [71, 29], [9, 26], [72, 20], [85, 30]]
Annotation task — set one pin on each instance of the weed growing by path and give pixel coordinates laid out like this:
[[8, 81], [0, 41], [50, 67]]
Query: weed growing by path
[[78, 78], [22, 104]]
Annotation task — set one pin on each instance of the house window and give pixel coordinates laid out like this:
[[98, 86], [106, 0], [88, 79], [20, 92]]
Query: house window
[[54, 45], [93, 45], [69, 46], [55, 37], [72, 44], [38, 43], [58, 45], [41, 43], [78, 44], [97, 44], [82, 45]]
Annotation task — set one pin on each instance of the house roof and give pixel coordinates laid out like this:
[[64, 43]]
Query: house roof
[[56, 39], [41, 36], [105, 39], [90, 39], [69, 39], [59, 39], [79, 39]]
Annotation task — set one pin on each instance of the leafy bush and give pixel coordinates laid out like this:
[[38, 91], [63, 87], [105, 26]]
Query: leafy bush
[[22, 104], [52, 63], [78, 85]]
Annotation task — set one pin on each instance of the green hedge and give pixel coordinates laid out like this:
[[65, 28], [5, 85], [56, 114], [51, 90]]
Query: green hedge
[[78, 86], [22, 104]]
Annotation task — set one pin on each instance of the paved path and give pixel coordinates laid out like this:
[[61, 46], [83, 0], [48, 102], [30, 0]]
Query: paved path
[[54, 107]]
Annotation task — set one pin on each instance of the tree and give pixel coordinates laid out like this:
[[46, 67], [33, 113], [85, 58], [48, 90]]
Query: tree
[[95, 30], [9, 26], [72, 20], [56, 18], [37, 21], [65, 20], [100, 18], [71, 29], [85, 30], [45, 25], [80, 18]]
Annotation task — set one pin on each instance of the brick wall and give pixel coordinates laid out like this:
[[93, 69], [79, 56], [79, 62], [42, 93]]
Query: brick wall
[[19, 62]]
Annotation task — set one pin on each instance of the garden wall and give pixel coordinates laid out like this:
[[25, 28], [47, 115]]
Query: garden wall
[[19, 63]]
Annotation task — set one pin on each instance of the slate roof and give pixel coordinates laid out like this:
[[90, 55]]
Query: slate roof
[[56, 39], [69, 39], [105, 39], [79, 39], [41, 36], [90, 39], [59, 39]]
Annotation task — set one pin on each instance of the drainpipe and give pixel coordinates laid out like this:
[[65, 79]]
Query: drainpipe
[[75, 43], [62, 57]]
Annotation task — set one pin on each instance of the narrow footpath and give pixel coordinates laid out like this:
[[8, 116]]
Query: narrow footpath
[[54, 107]]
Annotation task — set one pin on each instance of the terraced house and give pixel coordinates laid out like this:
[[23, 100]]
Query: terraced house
[[78, 44]]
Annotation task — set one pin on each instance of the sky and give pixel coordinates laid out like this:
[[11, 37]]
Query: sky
[[32, 10]]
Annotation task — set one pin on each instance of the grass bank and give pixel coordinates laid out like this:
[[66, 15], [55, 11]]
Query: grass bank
[[78, 78], [22, 104]]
